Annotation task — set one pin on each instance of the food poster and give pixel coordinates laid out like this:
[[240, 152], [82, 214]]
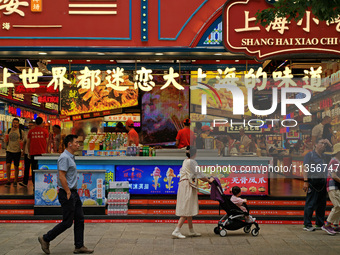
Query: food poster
[[77, 100], [155, 179], [217, 98], [250, 180], [90, 188], [163, 112]]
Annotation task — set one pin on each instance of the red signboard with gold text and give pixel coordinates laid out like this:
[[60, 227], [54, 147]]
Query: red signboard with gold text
[[308, 35]]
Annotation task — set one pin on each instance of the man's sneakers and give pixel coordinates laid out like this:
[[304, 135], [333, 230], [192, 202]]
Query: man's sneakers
[[177, 234], [45, 246], [328, 229], [82, 250], [318, 227], [309, 229], [23, 184]]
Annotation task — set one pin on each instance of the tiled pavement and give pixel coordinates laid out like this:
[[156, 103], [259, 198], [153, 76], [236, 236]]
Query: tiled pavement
[[155, 238]]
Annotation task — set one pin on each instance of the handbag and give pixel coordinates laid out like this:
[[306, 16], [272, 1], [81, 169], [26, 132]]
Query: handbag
[[193, 184]]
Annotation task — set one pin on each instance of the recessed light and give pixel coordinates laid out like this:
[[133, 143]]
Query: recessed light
[[159, 54], [42, 53], [49, 60], [193, 60], [100, 53], [218, 54], [157, 60], [138, 60], [70, 61], [111, 60], [218, 60], [88, 60], [237, 60]]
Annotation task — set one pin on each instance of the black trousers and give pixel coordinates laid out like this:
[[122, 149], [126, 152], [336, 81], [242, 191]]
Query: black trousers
[[27, 169], [72, 211]]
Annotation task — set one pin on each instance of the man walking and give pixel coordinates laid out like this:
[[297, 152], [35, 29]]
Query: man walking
[[315, 179], [69, 199], [13, 139], [37, 140]]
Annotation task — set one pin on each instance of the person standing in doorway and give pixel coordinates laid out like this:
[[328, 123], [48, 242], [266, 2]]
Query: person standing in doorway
[[27, 159], [69, 199], [13, 139], [37, 140]]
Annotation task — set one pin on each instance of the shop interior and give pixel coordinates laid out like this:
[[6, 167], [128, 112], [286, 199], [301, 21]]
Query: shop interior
[[158, 114]]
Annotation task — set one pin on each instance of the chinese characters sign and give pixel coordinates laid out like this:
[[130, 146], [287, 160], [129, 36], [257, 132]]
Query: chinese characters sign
[[280, 37]]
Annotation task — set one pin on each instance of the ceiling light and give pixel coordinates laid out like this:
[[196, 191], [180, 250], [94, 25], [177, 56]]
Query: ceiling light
[[88, 60], [42, 53], [138, 60], [157, 60], [218, 60], [111, 60], [237, 60], [193, 60], [218, 54], [49, 60], [100, 53], [159, 54]]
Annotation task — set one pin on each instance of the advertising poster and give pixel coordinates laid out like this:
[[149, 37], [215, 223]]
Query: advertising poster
[[250, 179], [75, 99], [90, 188], [163, 112], [150, 179]]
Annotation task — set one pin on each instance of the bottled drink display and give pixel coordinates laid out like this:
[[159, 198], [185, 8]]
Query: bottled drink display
[[118, 198]]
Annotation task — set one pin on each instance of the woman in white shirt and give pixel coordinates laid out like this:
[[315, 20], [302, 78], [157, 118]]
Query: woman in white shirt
[[187, 198]]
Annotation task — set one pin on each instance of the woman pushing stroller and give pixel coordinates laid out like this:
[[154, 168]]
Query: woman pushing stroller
[[187, 198]]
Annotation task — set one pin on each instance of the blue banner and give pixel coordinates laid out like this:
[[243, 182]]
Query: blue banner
[[150, 179]]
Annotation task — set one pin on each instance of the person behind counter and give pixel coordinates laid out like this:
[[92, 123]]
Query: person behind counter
[[187, 198], [244, 140], [318, 129], [56, 138], [133, 137], [328, 134], [27, 160], [13, 139], [185, 136]]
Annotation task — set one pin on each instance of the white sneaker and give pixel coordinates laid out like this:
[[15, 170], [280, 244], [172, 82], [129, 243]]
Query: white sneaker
[[177, 234], [194, 234]]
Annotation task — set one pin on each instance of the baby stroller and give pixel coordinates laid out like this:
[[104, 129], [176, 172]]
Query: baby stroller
[[235, 217]]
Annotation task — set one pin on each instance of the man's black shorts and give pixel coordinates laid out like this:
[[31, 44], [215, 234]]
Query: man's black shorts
[[13, 156]]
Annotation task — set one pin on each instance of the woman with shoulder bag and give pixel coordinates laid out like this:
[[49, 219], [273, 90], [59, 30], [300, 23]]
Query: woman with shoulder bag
[[187, 198]]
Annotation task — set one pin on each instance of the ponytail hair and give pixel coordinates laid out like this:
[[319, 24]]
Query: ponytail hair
[[191, 151]]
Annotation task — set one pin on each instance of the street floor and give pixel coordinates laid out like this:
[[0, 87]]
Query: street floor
[[155, 238]]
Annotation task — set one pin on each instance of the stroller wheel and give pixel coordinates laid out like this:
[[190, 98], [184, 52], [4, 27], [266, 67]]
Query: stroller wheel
[[223, 232], [255, 232], [247, 228], [217, 230]]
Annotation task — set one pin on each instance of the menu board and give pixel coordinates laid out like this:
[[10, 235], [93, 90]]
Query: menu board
[[78, 100]]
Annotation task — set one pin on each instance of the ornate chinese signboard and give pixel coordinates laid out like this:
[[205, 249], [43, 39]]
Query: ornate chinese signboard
[[308, 35]]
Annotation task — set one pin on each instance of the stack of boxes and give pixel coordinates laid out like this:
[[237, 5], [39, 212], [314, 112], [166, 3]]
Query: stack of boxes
[[118, 198]]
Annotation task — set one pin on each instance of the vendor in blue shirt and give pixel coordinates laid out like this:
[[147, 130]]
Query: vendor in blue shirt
[[315, 180]]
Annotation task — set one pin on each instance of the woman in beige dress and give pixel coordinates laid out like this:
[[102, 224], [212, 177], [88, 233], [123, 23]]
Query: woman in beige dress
[[187, 199]]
